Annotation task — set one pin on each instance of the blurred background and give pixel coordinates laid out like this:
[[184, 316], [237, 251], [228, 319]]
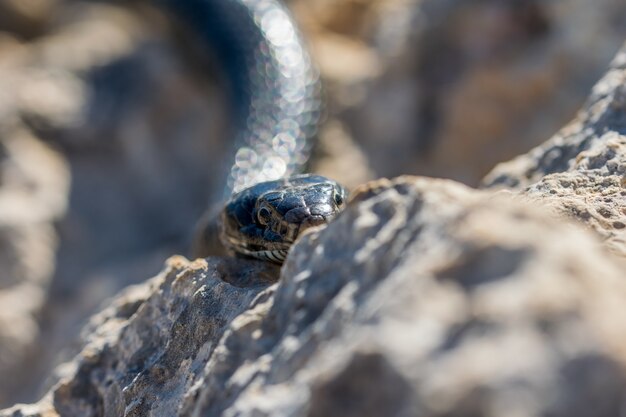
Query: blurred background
[[113, 121]]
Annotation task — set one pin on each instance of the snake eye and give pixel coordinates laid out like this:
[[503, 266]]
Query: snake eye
[[263, 215], [338, 199]]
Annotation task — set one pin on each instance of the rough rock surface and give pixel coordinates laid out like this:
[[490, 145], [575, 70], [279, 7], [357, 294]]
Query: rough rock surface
[[133, 109], [444, 287], [581, 171]]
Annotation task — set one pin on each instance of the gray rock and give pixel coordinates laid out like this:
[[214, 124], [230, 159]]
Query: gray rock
[[33, 188], [449, 88], [452, 302], [580, 171], [109, 92], [424, 298]]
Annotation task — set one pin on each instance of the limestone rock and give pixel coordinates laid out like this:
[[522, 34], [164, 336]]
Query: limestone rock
[[580, 172], [423, 298]]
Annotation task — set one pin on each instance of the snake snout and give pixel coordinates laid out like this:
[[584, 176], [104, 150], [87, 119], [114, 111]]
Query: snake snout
[[313, 220], [297, 215], [309, 216]]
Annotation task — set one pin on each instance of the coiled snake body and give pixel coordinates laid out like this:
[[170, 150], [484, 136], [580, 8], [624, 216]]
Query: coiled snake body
[[277, 109]]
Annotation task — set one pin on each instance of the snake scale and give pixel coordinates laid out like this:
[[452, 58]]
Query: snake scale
[[277, 108]]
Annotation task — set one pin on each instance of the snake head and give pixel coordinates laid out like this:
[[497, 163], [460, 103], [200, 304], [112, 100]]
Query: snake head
[[263, 221]]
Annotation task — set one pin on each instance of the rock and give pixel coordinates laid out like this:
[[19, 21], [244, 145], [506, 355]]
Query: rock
[[580, 172], [27, 19], [424, 298], [337, 156], [136, 109], [452, 302], [33, 188], [109, 92], [451, 88]]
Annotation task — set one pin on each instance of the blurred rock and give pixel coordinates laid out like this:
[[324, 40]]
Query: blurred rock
[[337, 156], [423, 298], [34, 184], [27, 18], [107, 89], [350, 18], [459, 86], [413, 302], [580, 171]]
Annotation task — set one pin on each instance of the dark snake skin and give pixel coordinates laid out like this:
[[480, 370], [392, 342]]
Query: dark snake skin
[[276, 89], [264, 220], [277, 106]]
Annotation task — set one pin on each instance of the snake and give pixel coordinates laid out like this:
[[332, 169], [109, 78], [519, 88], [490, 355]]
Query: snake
[[267, 202]]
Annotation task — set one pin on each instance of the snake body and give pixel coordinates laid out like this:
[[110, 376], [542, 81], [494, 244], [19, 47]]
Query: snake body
[[277, 109]]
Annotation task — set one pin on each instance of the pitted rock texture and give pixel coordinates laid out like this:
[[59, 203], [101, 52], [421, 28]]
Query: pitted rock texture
[[137, 110], [158, 334], [424, 298], [453, 302], [581, 171]]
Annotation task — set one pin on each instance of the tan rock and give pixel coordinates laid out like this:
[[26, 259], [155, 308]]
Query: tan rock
[[423, 298], [580, 172], [34, 183]]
